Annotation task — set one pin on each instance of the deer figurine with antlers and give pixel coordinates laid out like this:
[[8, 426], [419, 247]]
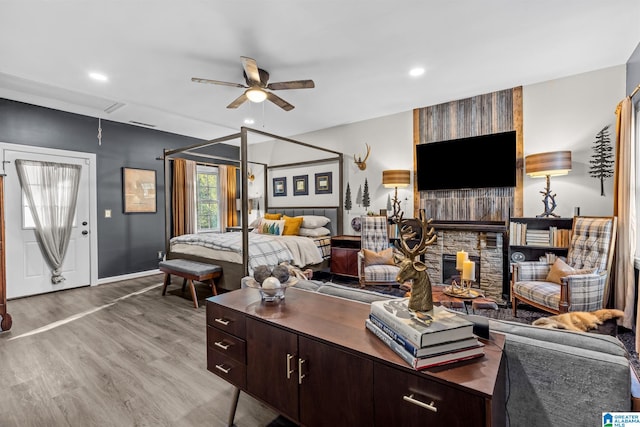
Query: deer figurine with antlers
[[362, 164], [415, 270]]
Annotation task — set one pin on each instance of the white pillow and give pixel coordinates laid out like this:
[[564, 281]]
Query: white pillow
[[314, 232], [314, 221], [270, 226], [255, 222]]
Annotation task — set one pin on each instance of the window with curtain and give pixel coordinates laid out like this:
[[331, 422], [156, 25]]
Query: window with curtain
[[207, 200], [28, 222]]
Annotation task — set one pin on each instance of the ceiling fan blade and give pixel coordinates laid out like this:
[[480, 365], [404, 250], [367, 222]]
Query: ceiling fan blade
[[216, 82], [279, 102], [238, 101], [294, 84], [251, 69]]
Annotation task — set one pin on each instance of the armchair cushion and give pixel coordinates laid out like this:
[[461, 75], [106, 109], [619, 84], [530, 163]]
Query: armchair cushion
[[384, 257], [381, 273], [545, 293], [560, 269]]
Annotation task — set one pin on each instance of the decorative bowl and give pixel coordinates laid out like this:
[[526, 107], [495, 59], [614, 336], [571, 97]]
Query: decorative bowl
[[271, 290]]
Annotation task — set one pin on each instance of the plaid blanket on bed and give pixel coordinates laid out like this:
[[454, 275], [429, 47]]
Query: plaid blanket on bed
[[262, 249]]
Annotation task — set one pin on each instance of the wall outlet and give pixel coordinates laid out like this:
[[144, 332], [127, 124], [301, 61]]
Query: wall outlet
[[160, 254], [107, 213]]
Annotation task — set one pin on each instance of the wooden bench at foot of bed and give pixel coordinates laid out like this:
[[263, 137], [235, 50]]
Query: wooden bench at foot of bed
[[190, 271]]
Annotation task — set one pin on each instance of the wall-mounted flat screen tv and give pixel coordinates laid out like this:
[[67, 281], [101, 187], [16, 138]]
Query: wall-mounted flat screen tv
[[475, 162]]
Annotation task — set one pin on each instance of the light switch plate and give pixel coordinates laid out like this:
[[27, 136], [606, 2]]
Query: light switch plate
[[107, 213]]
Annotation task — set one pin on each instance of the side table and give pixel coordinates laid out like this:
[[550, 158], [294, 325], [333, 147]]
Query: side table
[[344, 255]]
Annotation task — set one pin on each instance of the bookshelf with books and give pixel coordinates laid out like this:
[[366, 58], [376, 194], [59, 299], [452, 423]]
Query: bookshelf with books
[[532, 239]]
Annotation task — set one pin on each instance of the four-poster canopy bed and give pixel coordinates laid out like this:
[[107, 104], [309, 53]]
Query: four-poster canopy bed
[[238, 252]]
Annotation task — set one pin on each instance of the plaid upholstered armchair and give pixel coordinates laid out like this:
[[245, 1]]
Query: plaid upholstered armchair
[[376, 262], [581, 283]]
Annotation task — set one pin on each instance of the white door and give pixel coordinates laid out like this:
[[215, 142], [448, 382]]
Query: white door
[[27, 270]]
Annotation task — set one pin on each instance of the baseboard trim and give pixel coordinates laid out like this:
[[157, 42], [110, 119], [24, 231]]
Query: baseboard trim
[[127, 276]]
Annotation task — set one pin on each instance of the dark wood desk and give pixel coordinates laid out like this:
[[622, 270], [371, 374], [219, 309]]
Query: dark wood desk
[[312, 359]]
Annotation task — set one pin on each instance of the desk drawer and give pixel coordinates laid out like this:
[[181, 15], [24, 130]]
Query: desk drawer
[[227, 320], [227, 368], [227, 344], [404, 399]]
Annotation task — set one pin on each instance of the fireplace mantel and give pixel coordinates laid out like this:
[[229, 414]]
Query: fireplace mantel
[[478, 226]]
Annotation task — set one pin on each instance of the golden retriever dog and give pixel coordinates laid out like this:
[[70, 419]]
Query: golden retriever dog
[[581, 321]]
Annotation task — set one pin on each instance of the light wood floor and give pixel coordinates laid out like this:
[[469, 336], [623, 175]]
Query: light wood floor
[[137, 361]]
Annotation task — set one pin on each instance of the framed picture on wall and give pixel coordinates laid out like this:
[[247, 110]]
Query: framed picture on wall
[[323, 183], [301, 185], [279, 186], [138, 190]]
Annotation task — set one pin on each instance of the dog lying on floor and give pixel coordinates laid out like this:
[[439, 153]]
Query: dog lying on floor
[[581, 321]]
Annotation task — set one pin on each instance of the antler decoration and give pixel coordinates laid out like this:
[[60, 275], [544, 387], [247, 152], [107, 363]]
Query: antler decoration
[[410, 269], [362, 164]]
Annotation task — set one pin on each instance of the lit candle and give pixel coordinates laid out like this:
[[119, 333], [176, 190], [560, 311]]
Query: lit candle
[[461, 257], [469, 270]]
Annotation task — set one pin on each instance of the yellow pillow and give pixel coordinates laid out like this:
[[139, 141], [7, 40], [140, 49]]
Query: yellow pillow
[[384, 257], [275, 216], [291, 225], [560, 269]]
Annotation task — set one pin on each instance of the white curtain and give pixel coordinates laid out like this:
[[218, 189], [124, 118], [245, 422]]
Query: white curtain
[[52, 192], [625, 209]]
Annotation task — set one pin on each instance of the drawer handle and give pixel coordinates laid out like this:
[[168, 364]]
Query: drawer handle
[[429, 406], [289, 370], [222, 321], [223, 369], [221, 345], [300, 374]]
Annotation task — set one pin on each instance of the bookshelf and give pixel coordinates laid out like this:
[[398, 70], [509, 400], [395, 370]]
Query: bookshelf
[[532, 238]]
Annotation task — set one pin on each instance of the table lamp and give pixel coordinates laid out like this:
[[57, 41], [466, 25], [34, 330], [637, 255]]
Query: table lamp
[[395, 178], [554, 163]]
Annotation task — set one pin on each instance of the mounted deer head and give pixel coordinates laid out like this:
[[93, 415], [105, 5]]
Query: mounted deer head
[[362, 164], [416, 271]]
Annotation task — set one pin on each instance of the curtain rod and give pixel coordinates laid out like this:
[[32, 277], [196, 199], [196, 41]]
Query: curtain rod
[[634, 91]]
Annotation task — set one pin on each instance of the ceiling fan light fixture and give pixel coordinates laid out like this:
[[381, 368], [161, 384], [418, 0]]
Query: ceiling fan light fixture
[[256, 95]]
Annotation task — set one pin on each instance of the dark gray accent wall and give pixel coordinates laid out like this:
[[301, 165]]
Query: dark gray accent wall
[[127, 243], [633, 72]]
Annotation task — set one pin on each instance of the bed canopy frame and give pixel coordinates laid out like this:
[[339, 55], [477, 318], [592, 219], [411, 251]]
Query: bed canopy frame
[[243, 135]]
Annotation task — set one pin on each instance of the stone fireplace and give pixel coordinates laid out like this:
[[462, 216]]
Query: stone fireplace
[[449, 272], [485, 244]]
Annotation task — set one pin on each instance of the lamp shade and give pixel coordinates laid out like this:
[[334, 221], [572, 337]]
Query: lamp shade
[[553, 163], [396, 178]]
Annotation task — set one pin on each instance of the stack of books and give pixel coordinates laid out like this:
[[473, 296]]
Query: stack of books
[[423, 339]]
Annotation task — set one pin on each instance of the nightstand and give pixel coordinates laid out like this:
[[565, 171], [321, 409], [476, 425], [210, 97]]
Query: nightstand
[[344, 255]]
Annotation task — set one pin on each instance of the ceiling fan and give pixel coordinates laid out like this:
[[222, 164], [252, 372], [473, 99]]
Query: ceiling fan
[[257, 81]]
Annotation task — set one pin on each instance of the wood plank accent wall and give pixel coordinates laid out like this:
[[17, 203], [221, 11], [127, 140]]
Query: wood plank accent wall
[[480, 115]]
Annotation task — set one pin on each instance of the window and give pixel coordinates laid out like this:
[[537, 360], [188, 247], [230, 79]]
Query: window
[[207, 206], [28, 222]]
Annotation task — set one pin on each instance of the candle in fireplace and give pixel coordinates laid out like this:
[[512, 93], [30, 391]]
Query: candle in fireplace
[[469, 270], [461, 257]]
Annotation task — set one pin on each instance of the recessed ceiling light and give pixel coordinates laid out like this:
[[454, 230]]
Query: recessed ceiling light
[[415, 72], [98, 76], [249, 121]]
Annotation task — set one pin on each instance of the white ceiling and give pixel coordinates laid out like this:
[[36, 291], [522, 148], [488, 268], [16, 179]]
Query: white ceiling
[[358, 53]]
